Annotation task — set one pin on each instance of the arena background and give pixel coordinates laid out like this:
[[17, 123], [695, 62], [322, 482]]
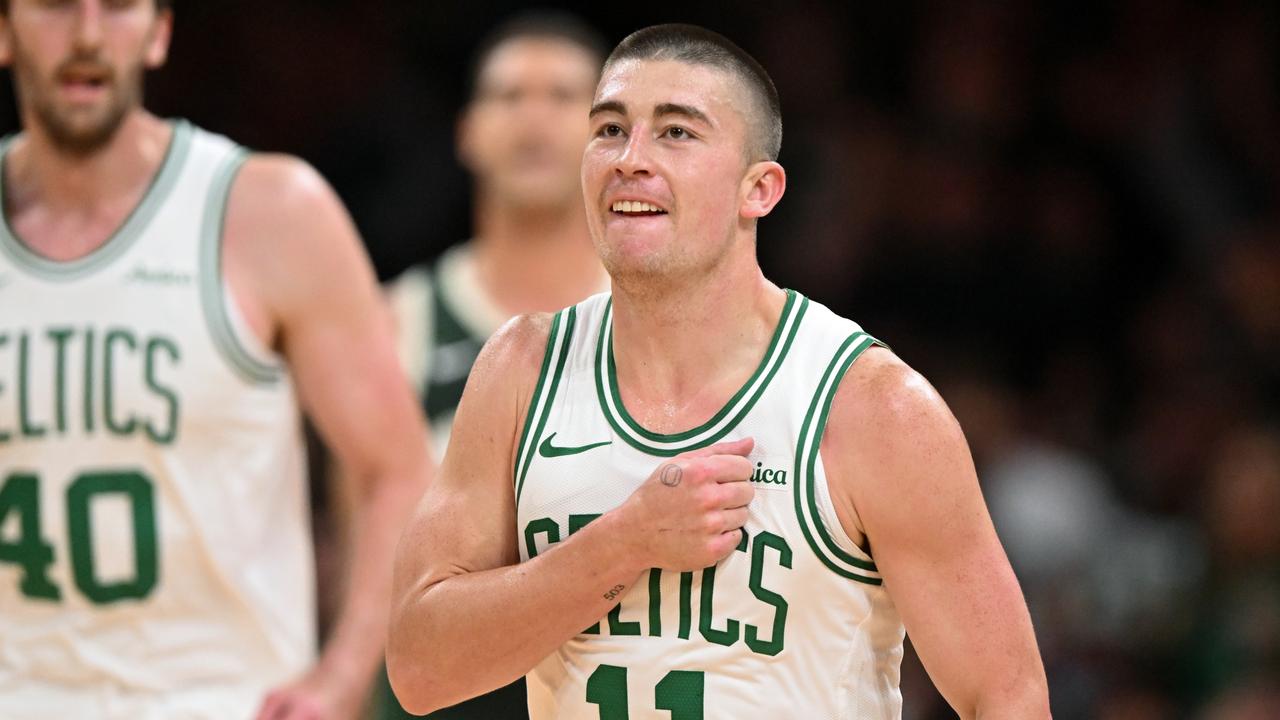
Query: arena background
[[1064, 215]]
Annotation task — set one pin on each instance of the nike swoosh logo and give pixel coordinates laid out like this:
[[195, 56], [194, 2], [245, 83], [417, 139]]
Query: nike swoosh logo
[[546, 449]]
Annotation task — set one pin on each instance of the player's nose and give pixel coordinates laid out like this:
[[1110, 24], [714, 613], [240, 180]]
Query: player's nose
[[634, 158], [88, 26]]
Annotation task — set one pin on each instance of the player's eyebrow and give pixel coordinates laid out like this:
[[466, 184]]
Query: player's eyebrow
[[687, 111], [612, 106]]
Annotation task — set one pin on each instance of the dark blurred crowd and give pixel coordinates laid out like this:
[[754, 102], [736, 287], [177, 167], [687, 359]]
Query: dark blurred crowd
[[1066, 216], [1068, 220]]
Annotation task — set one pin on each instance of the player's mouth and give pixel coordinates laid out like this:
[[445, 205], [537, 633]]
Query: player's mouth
[[635, 208], [84, 83]]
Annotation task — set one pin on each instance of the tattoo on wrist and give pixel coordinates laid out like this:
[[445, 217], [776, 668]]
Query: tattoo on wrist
[[671, 475], [614, 592]]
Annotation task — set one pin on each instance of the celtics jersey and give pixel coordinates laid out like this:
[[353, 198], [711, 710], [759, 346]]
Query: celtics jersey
[[155, 555], [795, 623], [443, 317]]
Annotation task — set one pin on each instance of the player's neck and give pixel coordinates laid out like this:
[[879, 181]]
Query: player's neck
[[692, 343], [75, 202], [535, 260]]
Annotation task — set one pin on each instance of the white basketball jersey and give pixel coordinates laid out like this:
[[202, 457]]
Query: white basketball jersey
[[794, 624], [155, 553]]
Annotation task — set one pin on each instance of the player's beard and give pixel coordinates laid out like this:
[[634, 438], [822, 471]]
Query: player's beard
[[76, 131]]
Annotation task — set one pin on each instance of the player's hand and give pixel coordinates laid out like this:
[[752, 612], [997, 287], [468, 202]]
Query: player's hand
[[687, 515], [311, 697]]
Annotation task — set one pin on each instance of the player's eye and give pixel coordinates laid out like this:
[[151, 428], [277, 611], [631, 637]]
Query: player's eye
[[675, 132], [610, 130]]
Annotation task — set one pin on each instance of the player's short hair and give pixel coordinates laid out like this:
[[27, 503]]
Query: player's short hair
[[555, 25], [160, 5], [700, 46]]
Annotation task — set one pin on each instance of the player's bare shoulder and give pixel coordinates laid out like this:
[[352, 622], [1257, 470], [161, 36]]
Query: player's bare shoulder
[[279, 204], [509, 364], [289, 248], [885, 415]]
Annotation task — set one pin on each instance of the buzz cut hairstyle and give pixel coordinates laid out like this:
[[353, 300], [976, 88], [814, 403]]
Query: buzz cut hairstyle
[[699, 46], [554, 25]]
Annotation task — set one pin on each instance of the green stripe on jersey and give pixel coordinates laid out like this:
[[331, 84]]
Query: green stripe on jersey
[[212, 293], [720, 424], [544, 393], [837, 559]]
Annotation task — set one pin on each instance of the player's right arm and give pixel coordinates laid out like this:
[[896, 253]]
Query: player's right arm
[[467, 616]]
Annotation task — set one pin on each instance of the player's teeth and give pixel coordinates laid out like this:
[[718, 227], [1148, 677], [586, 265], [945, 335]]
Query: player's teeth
[[635, 206]]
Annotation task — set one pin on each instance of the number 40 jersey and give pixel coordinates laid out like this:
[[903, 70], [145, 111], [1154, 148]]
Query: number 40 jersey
[[155, 558], [795, 623]]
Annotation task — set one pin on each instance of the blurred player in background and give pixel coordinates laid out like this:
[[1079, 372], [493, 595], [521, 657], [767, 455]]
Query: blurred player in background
[[167, 299], [521, 136], [740, 496]]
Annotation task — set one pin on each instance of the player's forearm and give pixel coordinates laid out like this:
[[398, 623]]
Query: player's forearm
[[1027, 698], [354, 649], [471, 633]]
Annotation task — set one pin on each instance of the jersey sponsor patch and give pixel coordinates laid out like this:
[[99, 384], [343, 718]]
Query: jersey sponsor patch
[[771, 473]]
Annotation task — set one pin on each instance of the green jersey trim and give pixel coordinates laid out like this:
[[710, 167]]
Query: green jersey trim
[[213, 298], [544, 393], [124, 236], [720, 424], [837, 559]]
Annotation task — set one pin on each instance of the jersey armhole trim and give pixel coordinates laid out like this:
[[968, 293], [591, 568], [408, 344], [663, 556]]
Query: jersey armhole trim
[[555, 355], [413, 305], [836, 558], [214, 297]]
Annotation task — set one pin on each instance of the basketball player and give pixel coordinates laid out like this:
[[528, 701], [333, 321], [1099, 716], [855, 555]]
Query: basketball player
[[521, 136], [702, 495], [164, 296]]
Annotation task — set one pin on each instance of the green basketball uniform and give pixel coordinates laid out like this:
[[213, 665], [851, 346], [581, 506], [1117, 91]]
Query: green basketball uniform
[[794, 624]]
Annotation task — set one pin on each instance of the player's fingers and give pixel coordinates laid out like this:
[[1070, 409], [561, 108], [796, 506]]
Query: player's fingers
[[725, 544], [733, 447], [733, 518], [727, 468], [736, 494]]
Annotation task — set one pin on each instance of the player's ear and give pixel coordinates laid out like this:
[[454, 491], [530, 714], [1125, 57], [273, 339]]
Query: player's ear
[[158, 43], [6, 41], [762, 186]]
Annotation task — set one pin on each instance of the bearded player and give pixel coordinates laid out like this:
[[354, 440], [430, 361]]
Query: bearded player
[[167, 299]]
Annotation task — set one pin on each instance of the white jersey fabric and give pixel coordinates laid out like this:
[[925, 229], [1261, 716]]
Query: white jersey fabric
[[155, 551], [794, 624]]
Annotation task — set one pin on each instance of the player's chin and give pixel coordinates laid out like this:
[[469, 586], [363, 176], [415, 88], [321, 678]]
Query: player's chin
[[634, 255], [542, 189]]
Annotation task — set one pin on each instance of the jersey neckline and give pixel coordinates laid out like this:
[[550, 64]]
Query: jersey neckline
[[722, 421], [118, 242]]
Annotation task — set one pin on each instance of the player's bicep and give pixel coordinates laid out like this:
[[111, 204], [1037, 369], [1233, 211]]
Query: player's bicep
[[290, 239], [917, 495], [466, 521]]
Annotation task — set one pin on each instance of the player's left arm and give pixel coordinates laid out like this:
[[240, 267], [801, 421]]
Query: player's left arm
[[902, 479], [293, 254]]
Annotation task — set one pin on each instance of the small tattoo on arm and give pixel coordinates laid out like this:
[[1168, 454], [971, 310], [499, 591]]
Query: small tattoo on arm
[[671, 475], [614, 592]]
